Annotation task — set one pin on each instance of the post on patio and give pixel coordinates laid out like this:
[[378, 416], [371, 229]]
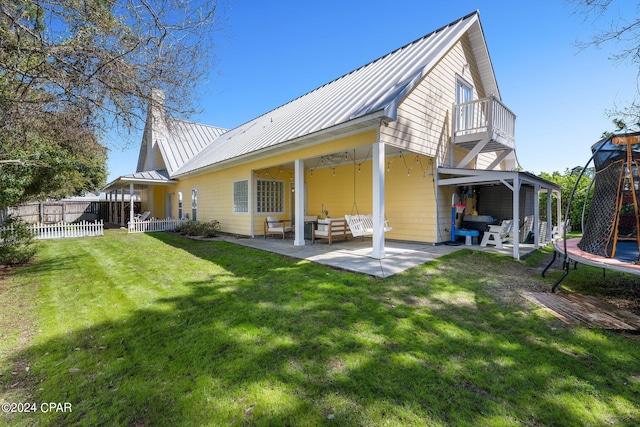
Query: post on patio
[[299, 197], [111, 207], [131, 203], [115, 207], [549, 215], [559, 210], [536, 216], [378, 199], [122, 207], [516, 217]]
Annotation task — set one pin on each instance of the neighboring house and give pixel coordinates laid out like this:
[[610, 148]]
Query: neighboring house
[[399, 138]]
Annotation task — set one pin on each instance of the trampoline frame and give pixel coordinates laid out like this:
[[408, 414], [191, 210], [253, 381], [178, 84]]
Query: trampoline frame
[[570, 249]]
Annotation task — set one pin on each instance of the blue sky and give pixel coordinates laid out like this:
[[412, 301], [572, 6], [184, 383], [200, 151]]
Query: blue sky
[[269, 53]]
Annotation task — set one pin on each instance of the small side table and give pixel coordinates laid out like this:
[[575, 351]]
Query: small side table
[[468, 235]]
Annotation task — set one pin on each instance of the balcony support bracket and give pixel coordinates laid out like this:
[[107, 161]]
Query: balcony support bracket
[[500, 158], [473, 153]]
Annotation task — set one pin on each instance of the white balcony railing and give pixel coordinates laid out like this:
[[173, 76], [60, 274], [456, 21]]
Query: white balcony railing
[[484, 118]]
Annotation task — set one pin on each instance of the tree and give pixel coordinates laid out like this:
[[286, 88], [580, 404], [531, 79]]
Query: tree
[[71, 70], [623, 30], [567, 181]]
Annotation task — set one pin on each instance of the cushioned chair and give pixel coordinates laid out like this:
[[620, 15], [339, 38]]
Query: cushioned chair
[[331, 228], [273, 225]]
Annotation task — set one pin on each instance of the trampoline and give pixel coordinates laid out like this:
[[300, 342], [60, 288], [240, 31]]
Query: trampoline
[[610, 237]]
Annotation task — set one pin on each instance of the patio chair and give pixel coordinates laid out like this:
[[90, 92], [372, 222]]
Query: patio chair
[[273, 225], [141, 217], [497, 234], [557, 232], [331, 228]]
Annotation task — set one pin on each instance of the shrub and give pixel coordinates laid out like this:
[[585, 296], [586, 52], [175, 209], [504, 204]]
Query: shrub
[[16, 242], [210, 229], [197, 228]]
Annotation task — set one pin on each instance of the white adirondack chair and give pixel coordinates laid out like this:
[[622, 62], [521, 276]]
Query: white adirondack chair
[[497, 234]]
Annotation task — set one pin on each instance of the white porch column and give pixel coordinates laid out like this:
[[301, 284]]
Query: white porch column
[[122, 207], [298, 176], [516, 217], [115, 206], [131, 203], [559, 210], [549, 214], [111, 206], [378, 169], [536, 216]]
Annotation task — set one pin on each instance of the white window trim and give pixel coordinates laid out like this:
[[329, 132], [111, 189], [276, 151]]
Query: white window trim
[[233, 201], [195, 190]]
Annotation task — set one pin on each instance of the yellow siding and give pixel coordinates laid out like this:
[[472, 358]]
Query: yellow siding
[[409, 195], [158, 210], [423, 126], [215, 198], [215, 189]]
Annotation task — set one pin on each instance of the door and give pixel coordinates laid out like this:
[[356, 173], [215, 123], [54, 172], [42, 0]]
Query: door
[[464, 94]]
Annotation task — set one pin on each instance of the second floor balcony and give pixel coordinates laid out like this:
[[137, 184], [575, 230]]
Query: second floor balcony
[[482, 126]]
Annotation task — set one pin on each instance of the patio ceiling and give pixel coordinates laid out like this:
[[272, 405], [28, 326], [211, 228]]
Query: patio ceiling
[[346, 157]]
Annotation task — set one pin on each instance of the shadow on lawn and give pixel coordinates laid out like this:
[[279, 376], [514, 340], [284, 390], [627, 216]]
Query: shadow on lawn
[[276, 341]]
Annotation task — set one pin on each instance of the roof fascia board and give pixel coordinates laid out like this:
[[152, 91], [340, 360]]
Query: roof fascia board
[[479, 176], [122, 181], [483, 50], [392, 109], [309, 140]]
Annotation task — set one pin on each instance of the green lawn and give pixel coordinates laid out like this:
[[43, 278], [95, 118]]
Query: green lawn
[[159, 330]]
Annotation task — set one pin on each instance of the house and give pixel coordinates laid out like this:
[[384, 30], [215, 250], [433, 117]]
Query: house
[[399, 138]]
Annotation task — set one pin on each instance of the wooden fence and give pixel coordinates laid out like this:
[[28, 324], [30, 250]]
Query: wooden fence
[[151, 225], [62, 230]]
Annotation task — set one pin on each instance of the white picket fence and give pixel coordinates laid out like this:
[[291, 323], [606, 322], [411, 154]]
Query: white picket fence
[[62, 230], [150, 225]]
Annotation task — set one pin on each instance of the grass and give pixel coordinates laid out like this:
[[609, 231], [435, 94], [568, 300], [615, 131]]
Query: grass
[[160, 330]]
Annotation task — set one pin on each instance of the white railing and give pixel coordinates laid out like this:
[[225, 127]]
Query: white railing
[[484, 115], [151, 225], [63, 230]]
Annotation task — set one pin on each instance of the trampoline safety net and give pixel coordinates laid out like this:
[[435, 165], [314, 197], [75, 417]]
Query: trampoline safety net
[[613, 213]]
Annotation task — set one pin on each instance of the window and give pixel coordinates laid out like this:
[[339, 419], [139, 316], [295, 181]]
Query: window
[[241, 196], [269, 196], [194, 204], [180, 210]]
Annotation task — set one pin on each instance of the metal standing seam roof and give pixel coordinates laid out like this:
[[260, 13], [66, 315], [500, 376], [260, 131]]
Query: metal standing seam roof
[[185, 140], [144, 177], [375, 88]]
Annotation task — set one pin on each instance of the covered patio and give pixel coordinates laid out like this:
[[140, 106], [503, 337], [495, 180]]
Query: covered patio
[[523, 200], [125, 191]]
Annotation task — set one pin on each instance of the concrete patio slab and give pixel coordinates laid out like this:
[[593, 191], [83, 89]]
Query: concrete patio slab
[[355, 255]]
